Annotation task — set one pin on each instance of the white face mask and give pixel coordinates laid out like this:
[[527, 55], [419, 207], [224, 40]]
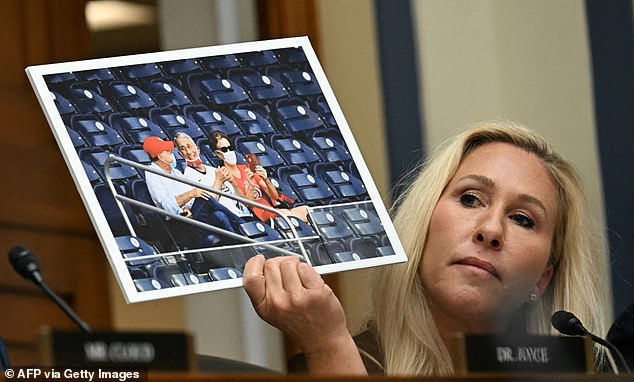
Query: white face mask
[[173, 164], [230, 157]]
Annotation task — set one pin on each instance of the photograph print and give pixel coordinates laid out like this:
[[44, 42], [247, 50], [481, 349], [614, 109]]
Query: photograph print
[[191, 162]]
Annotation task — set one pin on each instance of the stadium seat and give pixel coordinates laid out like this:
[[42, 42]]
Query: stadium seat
[[294, 151], [225, 273], [173, 275], [365, 247], [330, 226], [292, 56], [209, 120], [133, 247], [302, 229], [268, 157], [167, 95], [346, 186], [119, 173], [129, 97], [310, 189], [323, 109], [363, 220], [263, 88], [180, 67], [296, 117], [342, 257], [96, 133], [220, 64], [259, 231], [63, 104], [96, 75], [330, 146], [91, 173], [140, 71], [111, 209], [216, 91], [258, 59], [173, 123], [252, 121], [300, 83], [87, 101], [76, 138], [148, 284], [134, 128]]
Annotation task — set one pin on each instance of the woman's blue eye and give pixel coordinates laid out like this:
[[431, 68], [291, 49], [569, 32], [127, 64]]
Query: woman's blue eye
[[523, 221], [469, 200]]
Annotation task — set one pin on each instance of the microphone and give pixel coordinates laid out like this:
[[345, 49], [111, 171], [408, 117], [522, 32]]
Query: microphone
[[567, 323], [25, 264]]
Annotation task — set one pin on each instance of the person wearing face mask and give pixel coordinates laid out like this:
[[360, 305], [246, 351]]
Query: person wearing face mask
[[217, 178], [253, 185], [183, 199]]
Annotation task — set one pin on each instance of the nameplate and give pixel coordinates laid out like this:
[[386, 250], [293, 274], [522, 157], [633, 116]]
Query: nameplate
[[522, 354], [146, 350]]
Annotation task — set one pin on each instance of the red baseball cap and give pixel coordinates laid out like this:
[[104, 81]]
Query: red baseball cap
[[155, 145]]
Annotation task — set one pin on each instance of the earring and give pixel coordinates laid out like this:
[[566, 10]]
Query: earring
[[532, 297]]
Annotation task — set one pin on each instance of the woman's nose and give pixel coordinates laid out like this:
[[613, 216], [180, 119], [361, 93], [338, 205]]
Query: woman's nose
[[490, 231]]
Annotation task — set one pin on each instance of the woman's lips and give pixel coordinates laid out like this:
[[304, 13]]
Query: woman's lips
[[478, 263]]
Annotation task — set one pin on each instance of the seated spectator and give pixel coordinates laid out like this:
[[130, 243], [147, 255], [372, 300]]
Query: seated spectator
[[183, 199], [256, 186], [216, 178]]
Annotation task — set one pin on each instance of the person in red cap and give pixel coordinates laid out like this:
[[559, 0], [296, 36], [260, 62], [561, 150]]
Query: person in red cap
[[183, 199]]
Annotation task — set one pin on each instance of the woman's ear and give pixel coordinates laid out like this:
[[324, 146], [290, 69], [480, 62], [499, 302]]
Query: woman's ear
[[544, 279]]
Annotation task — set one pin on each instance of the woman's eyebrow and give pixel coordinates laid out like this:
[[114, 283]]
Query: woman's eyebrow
[[488, 182]]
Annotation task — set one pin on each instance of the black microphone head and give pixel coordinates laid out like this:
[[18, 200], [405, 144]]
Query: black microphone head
[[568, 323], [24, 262]]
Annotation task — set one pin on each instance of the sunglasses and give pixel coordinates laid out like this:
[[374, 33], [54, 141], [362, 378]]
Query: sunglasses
[[225, 149]]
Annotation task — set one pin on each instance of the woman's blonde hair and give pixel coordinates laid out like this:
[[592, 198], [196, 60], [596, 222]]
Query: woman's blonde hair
[[407, 332]]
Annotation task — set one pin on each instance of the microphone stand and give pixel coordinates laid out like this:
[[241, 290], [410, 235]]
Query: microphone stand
[[58, 300]]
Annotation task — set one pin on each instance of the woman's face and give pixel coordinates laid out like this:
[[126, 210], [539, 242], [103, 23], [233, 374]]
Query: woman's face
[[489, 239]]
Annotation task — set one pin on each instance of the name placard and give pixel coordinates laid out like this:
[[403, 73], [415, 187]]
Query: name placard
[[522, 354], [147, 350]]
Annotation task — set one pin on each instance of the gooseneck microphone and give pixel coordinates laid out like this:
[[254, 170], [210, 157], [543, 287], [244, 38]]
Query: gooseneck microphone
[[567, 323], [24, 263]]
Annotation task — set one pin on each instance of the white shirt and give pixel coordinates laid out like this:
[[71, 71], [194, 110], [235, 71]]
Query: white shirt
[[164, 190], [208, 180]]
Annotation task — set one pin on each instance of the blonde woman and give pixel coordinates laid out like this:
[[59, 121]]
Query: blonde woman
[[496, 230]]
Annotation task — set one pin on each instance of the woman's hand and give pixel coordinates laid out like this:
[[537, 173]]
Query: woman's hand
[[291, 296]]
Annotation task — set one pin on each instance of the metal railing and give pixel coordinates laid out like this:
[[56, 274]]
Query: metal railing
[[122, 198]]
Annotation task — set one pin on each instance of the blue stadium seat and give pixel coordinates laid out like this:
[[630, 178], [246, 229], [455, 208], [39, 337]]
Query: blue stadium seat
[[87, 101], [365, 247], [134, 128], [363, 220], [300, 83], [268, 157], [263, 88], [111, 209], [258, 59], [346, 186], [330, 226], [96, 132], [76, 138], [129, 97], [225, 273], [119, 173], [342, 257], [302, 229], [259, 231], [292, 56], [63, 104], [323, 109], [60, 81], [180, 67], [172, 274], [294, 151], [252, 121], [275, 71], [221, 63], [210, 120], [133, 247], [148, 284], [323, 253], [137, 272], [330, 146], [283, 187], [167, 95], [173, 123], [296, 117], [93, 175], [135, 152], [385, 250], [140, 71], [216, 91], [312, 190], [96, 75]]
